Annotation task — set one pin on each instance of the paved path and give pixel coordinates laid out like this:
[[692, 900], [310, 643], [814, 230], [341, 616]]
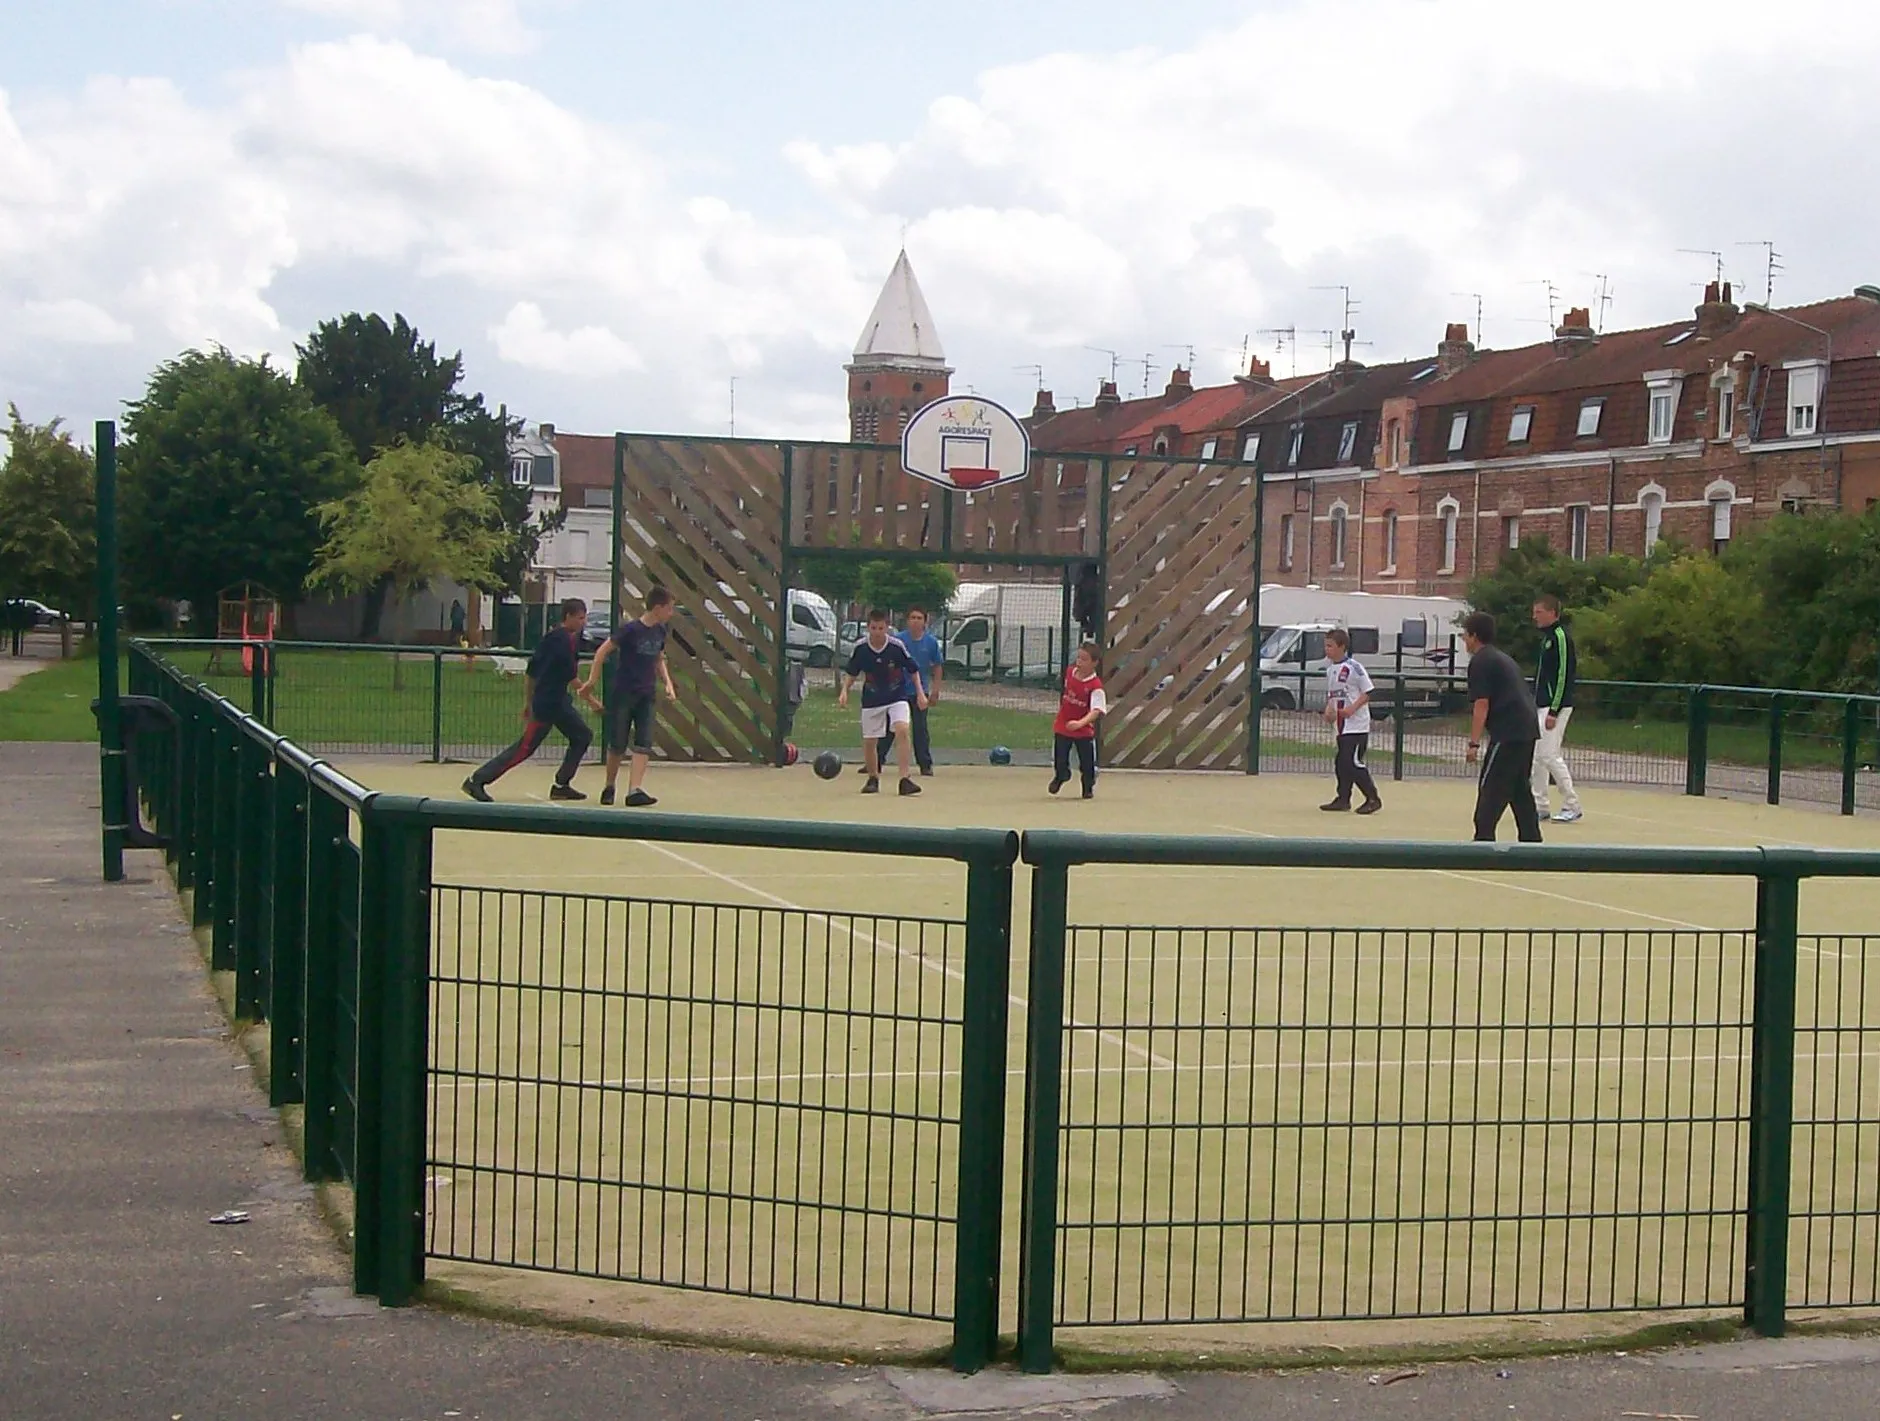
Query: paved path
[[39, 651], [127, 1118]]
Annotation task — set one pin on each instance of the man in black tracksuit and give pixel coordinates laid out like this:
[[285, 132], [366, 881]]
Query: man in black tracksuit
[[546, 706], [1503, 714], [1554, 681]]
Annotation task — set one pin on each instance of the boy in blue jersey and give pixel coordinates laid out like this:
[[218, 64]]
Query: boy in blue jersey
[[885, 670]]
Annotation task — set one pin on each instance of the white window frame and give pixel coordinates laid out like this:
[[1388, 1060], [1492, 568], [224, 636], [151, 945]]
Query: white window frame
[[1449, 511], [1161, 444], [1651, 502], [1207, 449], [1512, 537], [1816, 376], [1594, 405], [1347, 441], [1250, 448], [1286, 526], [1458, 431], [521, 470], [1521, 424], [1390, 541], [1720, 498], [1341, 533], [1297, 443], [1663, 388], [1579, 530], [1394, 442]]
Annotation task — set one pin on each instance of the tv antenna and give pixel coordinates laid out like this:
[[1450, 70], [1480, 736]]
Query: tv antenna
[[1476, 297], [1149, 367], [1601, 299], [1347, 332], [1772, 265], [1186, 346], [1284, 338], [1553, 300], [734, 406], [1716, 257], [1037, 372], [1114, 362]]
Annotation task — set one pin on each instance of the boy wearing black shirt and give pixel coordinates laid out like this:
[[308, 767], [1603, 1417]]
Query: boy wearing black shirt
[[642, 647], [1502, 712], [546, 705], [886, 672]]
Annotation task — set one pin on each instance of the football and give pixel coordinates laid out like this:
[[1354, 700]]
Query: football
[[999, 755], [790, 753], [828, 765]]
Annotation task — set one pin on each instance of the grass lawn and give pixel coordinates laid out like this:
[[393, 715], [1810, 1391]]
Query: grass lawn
[[52, 704]]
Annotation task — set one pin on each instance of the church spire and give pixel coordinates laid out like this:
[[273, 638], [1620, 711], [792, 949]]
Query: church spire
[[900, 332]]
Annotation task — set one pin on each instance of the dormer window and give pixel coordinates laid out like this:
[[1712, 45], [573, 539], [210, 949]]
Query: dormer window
[[1663, 418], [1804, 397], [1250, 448], [522, 470], [1207, 450], [1347, 441], [1520, 423], [1590, 411], [1292, 449], [1458, 430]]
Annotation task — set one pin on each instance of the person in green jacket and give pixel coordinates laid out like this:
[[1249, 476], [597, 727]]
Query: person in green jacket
[[1553, 695]]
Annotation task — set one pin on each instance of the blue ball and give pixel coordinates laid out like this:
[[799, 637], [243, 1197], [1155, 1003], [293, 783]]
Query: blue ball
[[999, 755]]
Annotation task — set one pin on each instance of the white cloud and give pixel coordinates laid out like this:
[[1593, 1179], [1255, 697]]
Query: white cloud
[[524, 338], [71, 322], [488, 26]]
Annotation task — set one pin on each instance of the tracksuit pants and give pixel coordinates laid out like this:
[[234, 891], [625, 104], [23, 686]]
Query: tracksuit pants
[[1086, 748], [1351, 769], [916, 728], [1503, 783], [568, 720], [1550, 759]]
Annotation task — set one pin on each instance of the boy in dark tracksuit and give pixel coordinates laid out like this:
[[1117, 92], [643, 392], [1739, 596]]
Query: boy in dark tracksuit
[[546, 705], [1553, 694], [1502, 712]]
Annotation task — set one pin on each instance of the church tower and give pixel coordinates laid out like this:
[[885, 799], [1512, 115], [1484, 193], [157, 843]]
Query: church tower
[[898, 365]]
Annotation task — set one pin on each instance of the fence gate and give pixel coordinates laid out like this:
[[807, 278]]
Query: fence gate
[[1182, 540]]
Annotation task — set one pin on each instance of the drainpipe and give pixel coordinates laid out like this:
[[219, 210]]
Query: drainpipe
[[1312, 512], [1612, 499], [1361, 535], [1475, 533]]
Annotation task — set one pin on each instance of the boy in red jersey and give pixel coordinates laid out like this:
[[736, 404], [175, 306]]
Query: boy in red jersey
[[1076, 723]]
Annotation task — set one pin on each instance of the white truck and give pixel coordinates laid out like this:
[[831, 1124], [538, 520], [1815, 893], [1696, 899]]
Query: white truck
[[1006, 628], [1424, 631], [810, 632]]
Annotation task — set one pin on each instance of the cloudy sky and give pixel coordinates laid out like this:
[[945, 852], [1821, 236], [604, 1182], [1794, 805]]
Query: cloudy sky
[[615, 208]]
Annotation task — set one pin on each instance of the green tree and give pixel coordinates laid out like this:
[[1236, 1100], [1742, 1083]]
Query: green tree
[[419, 514], [224, 463], [384, 383], [899, 585], [1508, 590], [1693, 620], [48, 518], [1819, 580], [838, 578]]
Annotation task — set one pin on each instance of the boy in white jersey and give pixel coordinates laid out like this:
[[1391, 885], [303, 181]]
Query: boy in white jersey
[[1348, 706]]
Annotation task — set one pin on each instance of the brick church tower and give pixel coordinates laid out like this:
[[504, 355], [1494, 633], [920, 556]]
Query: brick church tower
[[898, 365]]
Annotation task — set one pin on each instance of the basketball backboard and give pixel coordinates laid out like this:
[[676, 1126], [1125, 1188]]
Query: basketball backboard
[[965, 442]]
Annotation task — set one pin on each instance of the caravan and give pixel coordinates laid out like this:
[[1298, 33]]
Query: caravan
[[1419, 636]]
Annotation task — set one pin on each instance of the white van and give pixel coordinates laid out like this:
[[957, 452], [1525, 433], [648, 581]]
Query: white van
[[1011, 628], [1420, 634], [809, 634]]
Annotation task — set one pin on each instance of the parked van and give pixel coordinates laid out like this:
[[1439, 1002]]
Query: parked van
[[1006, 629], [1420, 635], [809, 633]]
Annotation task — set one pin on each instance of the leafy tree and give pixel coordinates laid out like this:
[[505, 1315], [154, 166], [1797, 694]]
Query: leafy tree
[[899, 585], [419, 514], [1508, 590], [1819, 579], [837, 578], [225, 462], [383, 383], [1692, 620], [48, 518]]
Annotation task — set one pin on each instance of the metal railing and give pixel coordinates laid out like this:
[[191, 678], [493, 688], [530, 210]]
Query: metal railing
[[1251, 1123]]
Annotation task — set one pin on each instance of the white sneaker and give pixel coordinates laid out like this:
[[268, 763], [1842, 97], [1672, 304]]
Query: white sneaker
[[1568, 816]]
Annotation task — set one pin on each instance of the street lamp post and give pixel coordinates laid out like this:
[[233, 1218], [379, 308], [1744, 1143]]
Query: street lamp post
[[1821, 391]]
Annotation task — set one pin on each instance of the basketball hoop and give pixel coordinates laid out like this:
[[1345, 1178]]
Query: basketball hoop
[[965, 443]]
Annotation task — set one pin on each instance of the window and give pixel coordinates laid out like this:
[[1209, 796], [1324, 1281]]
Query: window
[[1390, 540], [1207, 450], [1511, 531], [577, 549], [1458, 430], [1161, 444], [1520, 423], [1395, 444], [1338, 534], [597, 498], [1590, 411], [1347, 441], [1250, 448], [522, 470], [1719, 522], [1663, 419], [1653, 502], [1448, 510], [1726, 413], [1577, 517], [1292, 450], [1804, 398], [544, 472], [1285, 542]]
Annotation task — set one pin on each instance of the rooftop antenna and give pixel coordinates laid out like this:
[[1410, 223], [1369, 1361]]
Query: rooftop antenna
[[1475, 296], [1772, 263], [1148, 368], [1037, 373], [1553, 300], [1284, 338], [1114, 362], [1347, 333], [1183, 346], [1716, 257], [734, 406], [1603, 299]]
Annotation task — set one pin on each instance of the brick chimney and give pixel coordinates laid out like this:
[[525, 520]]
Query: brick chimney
[[1718, 313], [1575, 333], [1041, 407], [1258, 373], [1180, 385], [1107, 398], [548, 431], [1456, 349]]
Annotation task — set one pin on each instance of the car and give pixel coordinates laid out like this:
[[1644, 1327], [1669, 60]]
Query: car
[[31, 612]]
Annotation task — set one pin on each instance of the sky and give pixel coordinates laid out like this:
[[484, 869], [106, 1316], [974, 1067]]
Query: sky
[[616, 209]]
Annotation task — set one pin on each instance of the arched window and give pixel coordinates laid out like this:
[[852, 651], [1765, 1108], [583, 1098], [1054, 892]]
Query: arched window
[[1390, 540], [1393, 444], [1651, 500], [1340, 518], [1448, 511], [1721, 496]]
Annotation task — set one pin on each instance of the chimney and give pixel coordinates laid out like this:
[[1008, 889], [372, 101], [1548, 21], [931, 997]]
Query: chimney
[[1456, 350], [1718, 314], [548, 431], [1180, 385], [1575, 333], [1258, 373], [1042, 408], [1107, 398]]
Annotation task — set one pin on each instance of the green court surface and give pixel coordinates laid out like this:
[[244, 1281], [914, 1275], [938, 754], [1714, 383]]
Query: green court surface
[[1288, 1095]]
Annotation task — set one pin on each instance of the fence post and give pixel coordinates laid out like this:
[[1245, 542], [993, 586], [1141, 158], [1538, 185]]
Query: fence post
[[253, 821], [287, 986], [227, 838], [402, 989], [1850, 753], [327, 825], [1396, 730], [1044, 1066], [257, 680], [183, 804], [1775, 748], [437, 708], [1771, 1105], [375, 909], [1697, 741], [977, 1235], [202, 790]]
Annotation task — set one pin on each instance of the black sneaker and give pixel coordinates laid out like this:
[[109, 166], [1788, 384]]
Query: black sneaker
[[477, 792], [926, 772], [873, 786], [909, 787], [565, 792], [1056, 785], [1370, 806], [1090, 791], [640, 799], [607, 794], [1336, 806]]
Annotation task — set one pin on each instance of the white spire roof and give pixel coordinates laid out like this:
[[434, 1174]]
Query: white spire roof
[[900, 329]]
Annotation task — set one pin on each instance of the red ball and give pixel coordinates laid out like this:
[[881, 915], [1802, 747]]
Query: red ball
[[790, 755]]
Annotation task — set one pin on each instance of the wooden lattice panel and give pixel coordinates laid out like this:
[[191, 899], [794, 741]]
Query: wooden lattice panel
[[1182, 568], [705, 518]]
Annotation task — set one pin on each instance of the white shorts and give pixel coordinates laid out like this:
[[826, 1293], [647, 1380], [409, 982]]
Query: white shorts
[[878, 720]]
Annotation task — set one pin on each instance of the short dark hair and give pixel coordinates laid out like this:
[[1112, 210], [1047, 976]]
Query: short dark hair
[[1481, 626], [1339, 635], [572, 607], [917, 608], [657, 596], [1549, 601], [1094, 651], [877, 614]]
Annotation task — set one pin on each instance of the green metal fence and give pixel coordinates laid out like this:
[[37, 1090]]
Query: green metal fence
[[1241, 1123]]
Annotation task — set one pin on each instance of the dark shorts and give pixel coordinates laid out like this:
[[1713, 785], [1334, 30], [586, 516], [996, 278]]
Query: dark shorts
[[630, 724]]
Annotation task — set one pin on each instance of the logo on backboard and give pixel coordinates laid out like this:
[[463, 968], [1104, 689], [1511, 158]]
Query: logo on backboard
[[965, 442]]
